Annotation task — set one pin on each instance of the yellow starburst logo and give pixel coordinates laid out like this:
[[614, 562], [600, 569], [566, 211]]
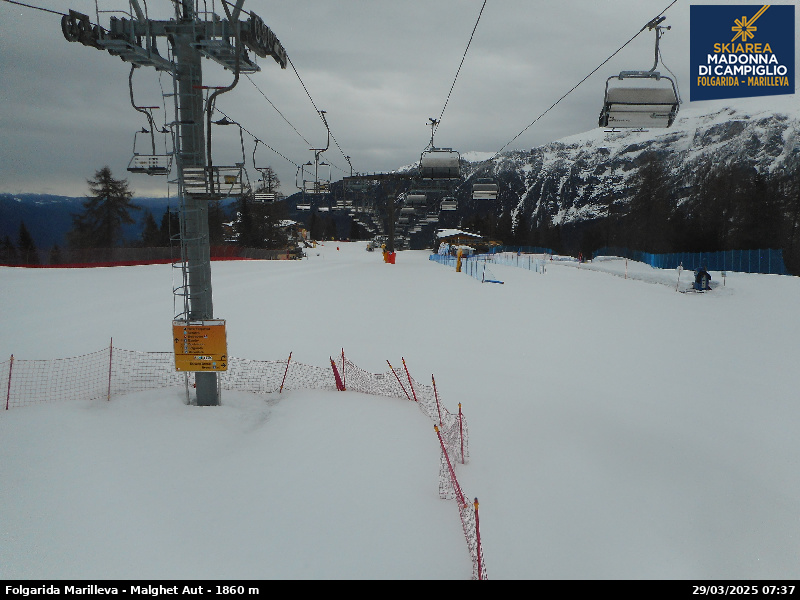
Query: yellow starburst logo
[[744, 28]]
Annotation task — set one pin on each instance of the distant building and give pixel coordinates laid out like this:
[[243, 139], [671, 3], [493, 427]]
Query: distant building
[[469, 242]]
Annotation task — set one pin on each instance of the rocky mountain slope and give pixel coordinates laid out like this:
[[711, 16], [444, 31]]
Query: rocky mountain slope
[[575, 178]]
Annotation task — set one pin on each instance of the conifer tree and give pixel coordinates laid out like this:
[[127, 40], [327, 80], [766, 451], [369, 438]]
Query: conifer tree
[[315, 227], [330, 231], [246, 225], [269, 181], [505, 228], [29, 255], [106, 209], [650, 206], [151, 235], [8, 252], [791, 201], [355, 231], [55, 255], [216, 220], [170, 227]]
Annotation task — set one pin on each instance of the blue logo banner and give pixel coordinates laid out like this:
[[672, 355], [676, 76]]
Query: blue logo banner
[[741, 50]]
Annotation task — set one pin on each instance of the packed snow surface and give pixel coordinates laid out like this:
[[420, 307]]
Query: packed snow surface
[[618, 429]]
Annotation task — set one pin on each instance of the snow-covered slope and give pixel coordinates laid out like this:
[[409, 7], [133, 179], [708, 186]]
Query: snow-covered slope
[[617, 428]]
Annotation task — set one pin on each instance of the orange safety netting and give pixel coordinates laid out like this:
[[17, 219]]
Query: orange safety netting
[[113, 372]]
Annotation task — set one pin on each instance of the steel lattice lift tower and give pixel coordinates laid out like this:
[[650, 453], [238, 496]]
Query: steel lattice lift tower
[[190, 38]]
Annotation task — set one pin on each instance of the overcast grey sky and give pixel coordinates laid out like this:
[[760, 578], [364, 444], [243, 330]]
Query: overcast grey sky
[[379, 68]]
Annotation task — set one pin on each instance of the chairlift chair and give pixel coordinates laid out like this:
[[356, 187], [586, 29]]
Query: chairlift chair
[[309, 179], [641, 99], [449, 203], [318, 187], [485, 189], [416, 199], [149, 164], [153, 163], [266, 185], [230, 179], [440, 163], [214, 182]]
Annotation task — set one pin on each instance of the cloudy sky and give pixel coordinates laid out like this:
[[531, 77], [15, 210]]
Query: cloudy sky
[[378, 68]]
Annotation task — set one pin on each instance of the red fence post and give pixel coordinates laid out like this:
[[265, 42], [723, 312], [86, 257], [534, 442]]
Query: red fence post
[[8, 393], [280, 391], [411, 385], [436, 395], [344, 377], [459, 494], [110, 355], [402, 387], [339, 384], [478, 537]]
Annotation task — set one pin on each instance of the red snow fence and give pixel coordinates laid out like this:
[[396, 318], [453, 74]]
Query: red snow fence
[[130, 257], [115, 372]]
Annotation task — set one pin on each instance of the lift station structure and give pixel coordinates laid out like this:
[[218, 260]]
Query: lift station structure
[[190, 36]]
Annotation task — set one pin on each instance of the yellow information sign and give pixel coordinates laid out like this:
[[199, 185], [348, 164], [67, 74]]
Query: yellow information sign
[[200, 345]]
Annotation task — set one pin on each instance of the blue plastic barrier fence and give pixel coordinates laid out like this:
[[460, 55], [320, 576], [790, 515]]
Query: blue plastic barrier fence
[[744, 261]]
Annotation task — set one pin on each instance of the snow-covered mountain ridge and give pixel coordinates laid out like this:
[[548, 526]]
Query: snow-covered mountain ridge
[[571, 179]]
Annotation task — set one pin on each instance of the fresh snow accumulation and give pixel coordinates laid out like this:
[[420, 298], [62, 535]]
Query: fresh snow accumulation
[[617, 429]]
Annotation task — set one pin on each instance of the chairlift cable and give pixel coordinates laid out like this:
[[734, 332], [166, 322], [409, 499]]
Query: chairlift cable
[[459, 69], [289, 122], [314, 104], [276, 109], [582, 80], [258, 140], [47, 10], [300, 79], [225, 5], [335, 141]]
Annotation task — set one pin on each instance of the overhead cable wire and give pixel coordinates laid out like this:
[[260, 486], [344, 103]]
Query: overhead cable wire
[[314, 104], [581, 81], [300, 79], [277, 110], [47, 10], [335, 141], [436, 126], [216, 108]]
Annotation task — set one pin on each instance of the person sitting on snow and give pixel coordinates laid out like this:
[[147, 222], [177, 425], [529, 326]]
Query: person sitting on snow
[[702, 280]]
